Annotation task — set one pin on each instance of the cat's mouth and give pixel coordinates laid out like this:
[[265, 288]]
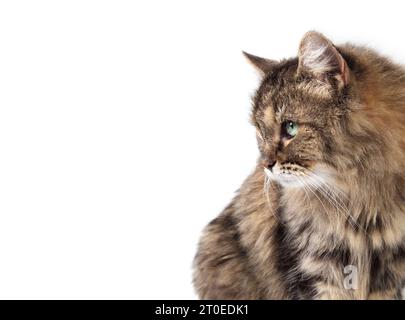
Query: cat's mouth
[[293, 175], [288, 175]]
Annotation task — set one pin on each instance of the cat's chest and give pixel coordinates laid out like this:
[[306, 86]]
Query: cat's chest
[[349, 259], [353, 227], [307, 259]]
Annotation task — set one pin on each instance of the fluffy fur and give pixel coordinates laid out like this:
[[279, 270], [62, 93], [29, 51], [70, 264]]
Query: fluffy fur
[[330, 197]]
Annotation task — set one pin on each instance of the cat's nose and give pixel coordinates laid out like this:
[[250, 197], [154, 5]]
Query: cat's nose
[[270, 164]]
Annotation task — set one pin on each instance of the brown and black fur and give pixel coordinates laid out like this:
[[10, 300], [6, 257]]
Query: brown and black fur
[[274, 241]]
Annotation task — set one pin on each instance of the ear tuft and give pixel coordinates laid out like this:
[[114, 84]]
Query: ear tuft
[[319, 56], [263, 65]]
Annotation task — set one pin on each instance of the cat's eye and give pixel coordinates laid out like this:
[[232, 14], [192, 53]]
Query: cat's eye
[[290, 129]]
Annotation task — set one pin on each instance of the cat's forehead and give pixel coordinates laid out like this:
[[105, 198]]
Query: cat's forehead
[[293, 100]]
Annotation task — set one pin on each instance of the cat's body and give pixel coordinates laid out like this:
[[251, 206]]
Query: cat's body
[[325, 219]]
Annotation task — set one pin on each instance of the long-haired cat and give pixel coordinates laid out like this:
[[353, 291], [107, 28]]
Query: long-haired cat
[[322, 216]]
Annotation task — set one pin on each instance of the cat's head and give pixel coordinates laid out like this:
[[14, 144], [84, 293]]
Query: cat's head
[[302, 112]]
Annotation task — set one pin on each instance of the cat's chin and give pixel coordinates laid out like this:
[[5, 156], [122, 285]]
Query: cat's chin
[[285, 180], [289, 182]]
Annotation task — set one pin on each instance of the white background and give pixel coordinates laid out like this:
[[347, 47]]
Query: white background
[[124, 130]]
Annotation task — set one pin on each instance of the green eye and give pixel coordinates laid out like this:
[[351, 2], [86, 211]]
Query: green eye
[[291, 128]]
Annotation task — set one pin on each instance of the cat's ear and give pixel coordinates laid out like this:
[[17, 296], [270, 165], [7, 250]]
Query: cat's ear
[[262, 65], [318, 55]]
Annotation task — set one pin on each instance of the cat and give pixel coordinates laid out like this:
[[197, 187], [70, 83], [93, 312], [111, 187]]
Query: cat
[[322, 215]]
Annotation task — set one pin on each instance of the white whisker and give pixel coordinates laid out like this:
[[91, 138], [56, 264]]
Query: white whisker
[[334, 199]]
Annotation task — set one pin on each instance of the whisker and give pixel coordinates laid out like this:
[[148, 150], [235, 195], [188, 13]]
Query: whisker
[[324, 181], [314, 193], [333, 198], [302, 182], [305, 187], [334, 204], [266, 187]]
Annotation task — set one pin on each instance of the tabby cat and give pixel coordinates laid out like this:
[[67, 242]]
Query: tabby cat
[[322, 216]]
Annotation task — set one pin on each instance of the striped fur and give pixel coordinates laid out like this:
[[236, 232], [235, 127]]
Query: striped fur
[[335, 199]]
